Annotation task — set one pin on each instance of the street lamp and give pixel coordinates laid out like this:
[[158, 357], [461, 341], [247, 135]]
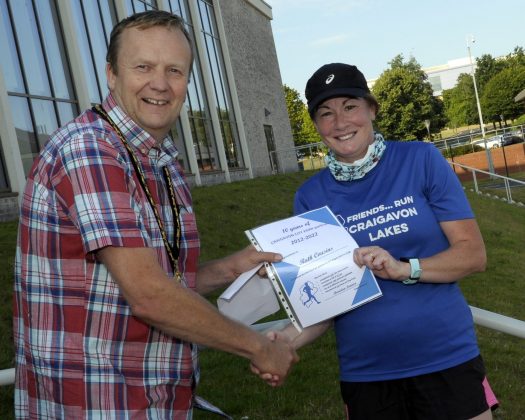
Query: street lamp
[[471, 40], [427, 125]]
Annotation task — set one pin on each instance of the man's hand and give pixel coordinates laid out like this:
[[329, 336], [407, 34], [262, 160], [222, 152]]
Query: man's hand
[[246, 259], [221, 272], [274, 366]]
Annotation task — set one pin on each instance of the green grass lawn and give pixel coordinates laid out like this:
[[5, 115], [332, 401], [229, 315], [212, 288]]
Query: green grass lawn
[[312, 390]]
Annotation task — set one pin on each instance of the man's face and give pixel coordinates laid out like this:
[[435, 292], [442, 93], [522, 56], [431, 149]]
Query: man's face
[[151, 78]]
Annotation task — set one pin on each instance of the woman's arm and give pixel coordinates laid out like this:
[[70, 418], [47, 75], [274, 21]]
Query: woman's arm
[[465, 255], [306, 336]]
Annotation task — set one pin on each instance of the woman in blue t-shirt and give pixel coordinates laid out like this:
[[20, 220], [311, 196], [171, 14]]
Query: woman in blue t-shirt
[[413, 352]]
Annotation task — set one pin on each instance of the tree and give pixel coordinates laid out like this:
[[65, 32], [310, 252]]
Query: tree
[[498, 95], [516, 57], [303, 130], [310, 134], [460, 102], [486, 68], [406, 100]]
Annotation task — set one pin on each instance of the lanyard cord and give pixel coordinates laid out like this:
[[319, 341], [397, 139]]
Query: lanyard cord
[[173, 251]]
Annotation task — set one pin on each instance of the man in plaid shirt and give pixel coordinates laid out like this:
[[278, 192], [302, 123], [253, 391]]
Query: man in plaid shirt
[[102, 327]]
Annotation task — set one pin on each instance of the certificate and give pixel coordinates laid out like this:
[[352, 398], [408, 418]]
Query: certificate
[[317, 278]]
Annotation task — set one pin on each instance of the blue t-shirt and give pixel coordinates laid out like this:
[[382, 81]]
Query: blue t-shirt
[[410, 330]]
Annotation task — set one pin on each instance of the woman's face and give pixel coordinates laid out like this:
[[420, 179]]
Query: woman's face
[[345, 125]]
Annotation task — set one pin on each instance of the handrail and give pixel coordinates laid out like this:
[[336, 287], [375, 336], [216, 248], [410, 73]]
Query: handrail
[[493, 175], [7, 376], [506, 180], [481, 317], [498, 322]]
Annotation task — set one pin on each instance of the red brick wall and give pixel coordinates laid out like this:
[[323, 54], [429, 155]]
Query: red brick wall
[[514, 155]]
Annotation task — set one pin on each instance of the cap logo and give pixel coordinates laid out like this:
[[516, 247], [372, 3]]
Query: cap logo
[[329, 79]]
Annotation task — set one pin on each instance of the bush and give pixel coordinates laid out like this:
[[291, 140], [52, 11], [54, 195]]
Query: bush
[[462, 150]]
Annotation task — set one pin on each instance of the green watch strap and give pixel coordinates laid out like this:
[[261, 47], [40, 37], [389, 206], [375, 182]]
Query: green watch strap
[[415, 270]]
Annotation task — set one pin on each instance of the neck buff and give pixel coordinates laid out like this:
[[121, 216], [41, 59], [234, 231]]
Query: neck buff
[[358, 169]]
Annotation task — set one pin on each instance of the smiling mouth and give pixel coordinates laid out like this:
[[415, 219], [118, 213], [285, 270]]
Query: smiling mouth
[[155, 101], [346, 136]]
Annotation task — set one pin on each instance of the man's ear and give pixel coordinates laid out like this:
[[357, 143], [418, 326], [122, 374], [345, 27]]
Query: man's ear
[[110, 76]]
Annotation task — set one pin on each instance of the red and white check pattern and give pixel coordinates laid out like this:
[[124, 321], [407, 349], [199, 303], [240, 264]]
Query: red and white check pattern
[[80, 353]]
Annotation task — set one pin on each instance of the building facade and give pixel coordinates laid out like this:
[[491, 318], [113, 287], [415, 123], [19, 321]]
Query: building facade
[[53, 68], [445, 76]]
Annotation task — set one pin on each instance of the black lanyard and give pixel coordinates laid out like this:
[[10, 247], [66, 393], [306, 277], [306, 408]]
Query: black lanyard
[[173, 251]]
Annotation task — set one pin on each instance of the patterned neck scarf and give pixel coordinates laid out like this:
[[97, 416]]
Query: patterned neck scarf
[[358, 169]]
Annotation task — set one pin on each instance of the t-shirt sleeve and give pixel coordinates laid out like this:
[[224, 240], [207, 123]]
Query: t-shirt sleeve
[[98, 194], [443, 189]]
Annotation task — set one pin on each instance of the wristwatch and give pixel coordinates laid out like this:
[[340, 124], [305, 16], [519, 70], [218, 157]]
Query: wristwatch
[[415, 270]]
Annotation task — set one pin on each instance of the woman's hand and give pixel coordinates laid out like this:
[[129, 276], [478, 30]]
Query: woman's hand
[[381, 263], [465, 255]]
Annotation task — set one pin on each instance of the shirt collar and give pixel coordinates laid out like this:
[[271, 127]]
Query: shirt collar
[[133, 133]]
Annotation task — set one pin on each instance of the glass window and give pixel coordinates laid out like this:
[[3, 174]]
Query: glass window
[[33, 42], [204, 148], [66, 112], [98, 43], [179, 7], [24, 131], [204, 142], [220, 83], [95, 91], [45, 120], [129, 7], [4, 180], [54, 49], [270, 144], [109, 17], [30, 47], [143, 5], [178, 138], [10, 64]]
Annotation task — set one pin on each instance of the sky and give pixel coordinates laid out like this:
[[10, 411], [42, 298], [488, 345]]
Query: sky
[[370, 33]]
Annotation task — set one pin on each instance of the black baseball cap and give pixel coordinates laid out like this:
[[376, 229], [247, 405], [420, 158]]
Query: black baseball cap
[[333, 80]]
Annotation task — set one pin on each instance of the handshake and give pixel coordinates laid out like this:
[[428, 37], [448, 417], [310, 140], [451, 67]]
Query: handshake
[[274, 361]]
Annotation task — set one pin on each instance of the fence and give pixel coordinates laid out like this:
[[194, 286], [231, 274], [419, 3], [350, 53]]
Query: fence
[[481, 317], [311, 156], [499, 186]]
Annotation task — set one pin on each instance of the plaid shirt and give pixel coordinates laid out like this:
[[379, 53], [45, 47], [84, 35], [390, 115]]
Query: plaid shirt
[[80, 353]]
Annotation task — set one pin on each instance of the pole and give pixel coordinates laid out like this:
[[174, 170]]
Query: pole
[[470, 38], [427, 125]]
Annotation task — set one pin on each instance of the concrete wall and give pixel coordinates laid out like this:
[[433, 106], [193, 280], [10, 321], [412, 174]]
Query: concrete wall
[[258, 81]]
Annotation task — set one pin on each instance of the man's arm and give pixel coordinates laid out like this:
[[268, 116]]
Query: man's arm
[[221, 272], [180, 312]]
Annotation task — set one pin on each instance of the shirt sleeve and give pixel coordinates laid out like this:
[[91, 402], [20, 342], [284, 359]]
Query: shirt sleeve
[[443, 190], [97, 192]]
